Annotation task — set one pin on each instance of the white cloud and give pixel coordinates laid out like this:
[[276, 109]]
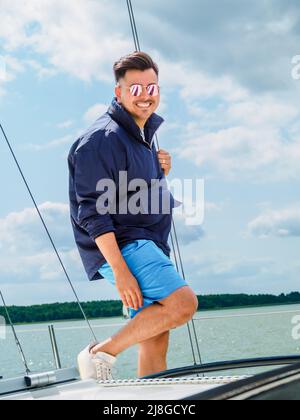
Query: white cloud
[[42, 71], [26, 252], [195, 83], [263, 111], [187, 234], [210, 206], [94, 112], [220, 273], [30, 272], [50, 145], [65, 124], [234, 150], [9, 69], [255, 138], [39, 292], [276, 223], [81, 40], [232, 131], [252, 42], [191, 233], [12, 66], [23, 231]]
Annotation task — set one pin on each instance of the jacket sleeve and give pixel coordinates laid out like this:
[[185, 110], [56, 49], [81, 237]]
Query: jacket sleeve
[[94, 162]]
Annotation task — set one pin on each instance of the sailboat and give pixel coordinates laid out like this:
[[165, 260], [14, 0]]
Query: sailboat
[[198, 381]]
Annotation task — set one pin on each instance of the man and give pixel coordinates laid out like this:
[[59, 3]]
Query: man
[[128, 249]]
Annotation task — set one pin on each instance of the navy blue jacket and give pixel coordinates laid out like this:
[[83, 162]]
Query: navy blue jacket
[[112, 144]]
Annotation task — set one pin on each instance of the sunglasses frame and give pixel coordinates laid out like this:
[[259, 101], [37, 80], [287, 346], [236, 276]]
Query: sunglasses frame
[[140, 89]]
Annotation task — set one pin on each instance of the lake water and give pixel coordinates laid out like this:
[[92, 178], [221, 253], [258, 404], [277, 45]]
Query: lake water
[[222, 335]]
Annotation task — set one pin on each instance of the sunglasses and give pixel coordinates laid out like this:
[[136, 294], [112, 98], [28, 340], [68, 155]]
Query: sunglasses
[[137, 89]]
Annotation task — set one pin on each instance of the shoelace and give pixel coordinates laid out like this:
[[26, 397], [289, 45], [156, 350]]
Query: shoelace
[[103, 371]]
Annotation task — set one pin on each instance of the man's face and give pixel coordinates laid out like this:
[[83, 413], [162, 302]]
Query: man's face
[[140, 107]]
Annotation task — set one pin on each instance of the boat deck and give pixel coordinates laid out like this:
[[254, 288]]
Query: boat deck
[[131, 389]]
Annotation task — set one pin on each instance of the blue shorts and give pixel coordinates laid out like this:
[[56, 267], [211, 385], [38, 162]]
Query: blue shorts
[[154, 271]]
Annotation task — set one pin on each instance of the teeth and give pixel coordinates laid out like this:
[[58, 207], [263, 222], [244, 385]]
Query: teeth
[[143, 104]]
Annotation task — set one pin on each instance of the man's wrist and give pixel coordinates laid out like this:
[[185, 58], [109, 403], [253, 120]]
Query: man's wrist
[[119, 267]]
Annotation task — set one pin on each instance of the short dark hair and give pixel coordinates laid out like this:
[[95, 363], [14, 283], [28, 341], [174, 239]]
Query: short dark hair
[[134, 61]]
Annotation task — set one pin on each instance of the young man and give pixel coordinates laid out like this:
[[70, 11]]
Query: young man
[[129, 249]]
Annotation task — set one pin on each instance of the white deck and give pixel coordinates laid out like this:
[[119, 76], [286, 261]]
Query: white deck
[[150, 389]]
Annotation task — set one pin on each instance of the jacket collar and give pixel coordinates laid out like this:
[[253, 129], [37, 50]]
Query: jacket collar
[[119, 114]]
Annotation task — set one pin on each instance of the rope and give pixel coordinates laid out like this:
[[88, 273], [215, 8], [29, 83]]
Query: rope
[[213, 380], [137, 47], [47, 232]]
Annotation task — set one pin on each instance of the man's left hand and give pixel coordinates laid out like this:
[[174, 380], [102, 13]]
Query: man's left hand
[[165, 161]]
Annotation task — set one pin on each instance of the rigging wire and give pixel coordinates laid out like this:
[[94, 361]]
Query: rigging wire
[[183, 275], [18, 344], [137, 47], [47, 232], [188, 326], [133, 26]]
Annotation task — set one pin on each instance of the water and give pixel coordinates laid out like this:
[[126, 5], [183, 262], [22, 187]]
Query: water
[[223, 335]]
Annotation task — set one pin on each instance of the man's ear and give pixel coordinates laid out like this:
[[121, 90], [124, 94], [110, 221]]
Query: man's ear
[[118, 93]]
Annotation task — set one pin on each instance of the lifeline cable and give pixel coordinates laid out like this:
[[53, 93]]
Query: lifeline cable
[[18, 344], [137, 47]]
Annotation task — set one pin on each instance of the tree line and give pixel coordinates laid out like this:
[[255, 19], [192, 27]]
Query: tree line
[[112, 308]]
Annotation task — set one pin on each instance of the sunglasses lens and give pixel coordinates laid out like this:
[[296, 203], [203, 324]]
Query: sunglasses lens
[[136, 90], [153, 90]]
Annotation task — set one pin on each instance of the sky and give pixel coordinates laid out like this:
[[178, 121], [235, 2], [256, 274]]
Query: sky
[[230, 101]]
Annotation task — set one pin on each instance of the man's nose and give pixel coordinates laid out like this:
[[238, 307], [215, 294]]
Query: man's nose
[[144, 94]]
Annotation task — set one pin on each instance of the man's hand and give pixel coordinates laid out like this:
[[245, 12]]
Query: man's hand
[[165, 161], [128, 289], [126, 283]]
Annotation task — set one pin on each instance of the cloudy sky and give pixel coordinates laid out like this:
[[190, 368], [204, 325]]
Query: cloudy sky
[[231, 110]]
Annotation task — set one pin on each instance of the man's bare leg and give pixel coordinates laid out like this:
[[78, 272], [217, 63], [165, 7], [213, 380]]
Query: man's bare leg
[[175, 310], [152, 356]]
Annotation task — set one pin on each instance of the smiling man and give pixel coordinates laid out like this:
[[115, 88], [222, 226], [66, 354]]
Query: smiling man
[[130, 250]]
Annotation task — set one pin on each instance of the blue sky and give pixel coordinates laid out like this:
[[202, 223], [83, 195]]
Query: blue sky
[[231, 110]]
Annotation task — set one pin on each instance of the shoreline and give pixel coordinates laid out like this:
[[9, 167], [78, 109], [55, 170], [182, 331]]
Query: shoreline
[[57, 321]]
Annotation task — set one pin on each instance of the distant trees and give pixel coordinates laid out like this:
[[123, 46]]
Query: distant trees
[[63, 311], [111, 308], [241, 300]]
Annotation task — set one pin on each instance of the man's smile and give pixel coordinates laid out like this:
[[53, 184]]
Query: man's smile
[[143, 105]]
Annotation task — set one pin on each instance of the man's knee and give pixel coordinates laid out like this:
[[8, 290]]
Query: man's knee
[[182, 305], [187, 310]]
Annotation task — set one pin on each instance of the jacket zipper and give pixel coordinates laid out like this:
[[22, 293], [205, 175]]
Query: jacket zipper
[[149, 146]]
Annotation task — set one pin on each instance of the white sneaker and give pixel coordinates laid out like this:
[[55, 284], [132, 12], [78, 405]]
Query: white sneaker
[[104, 363], [95, 366]]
